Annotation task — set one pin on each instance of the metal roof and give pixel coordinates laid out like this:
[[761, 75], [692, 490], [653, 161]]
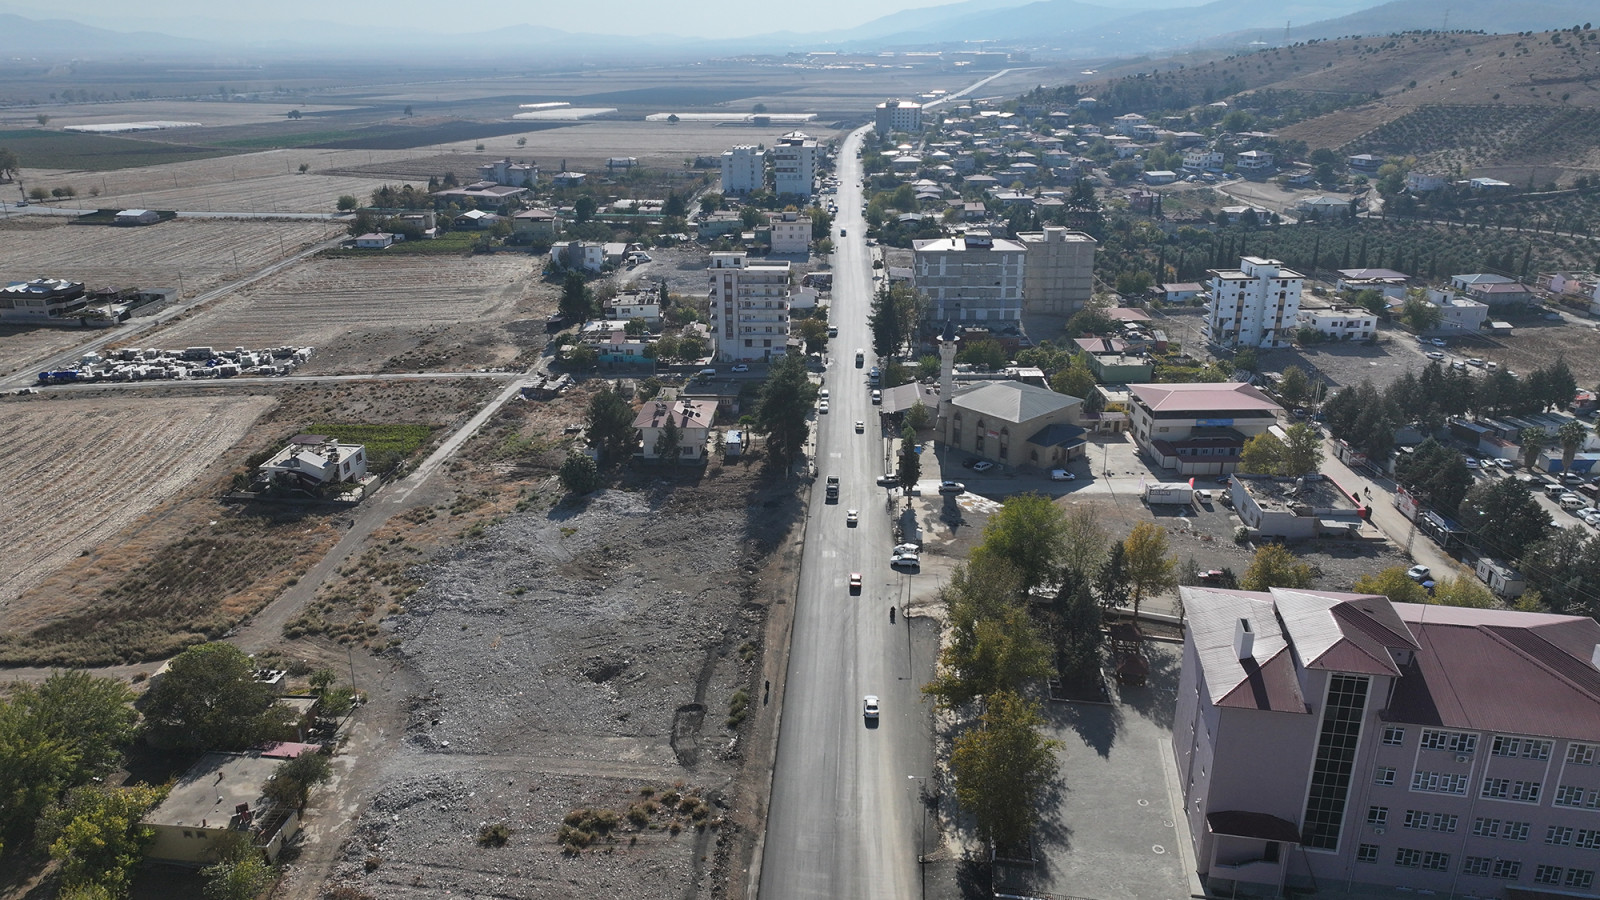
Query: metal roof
[[1012, 401]]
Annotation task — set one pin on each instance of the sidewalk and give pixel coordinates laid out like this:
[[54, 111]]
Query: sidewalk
[[1387, 518]]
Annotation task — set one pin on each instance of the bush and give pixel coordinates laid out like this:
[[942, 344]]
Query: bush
[[495, 835], [579, 474]]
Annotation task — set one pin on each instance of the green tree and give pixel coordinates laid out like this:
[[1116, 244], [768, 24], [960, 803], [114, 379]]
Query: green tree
[[209, 699], [348, 202], [294, 114], [577, 302], [1245, 359], [918, 416], [1150, 567], [909, 469], [783, 409], [635, 327], [1462, 589], [1274, 566], [1532, 442], [1111, 579], [1295, 386], [1561, 567], [9, 163], [985, 353], [1393, 583], [1302, 452], [1262, 455], [293, 780], [691, 346], [927, 366], [579, 474], [750, 216], [96, 837], [1417, 314], [710, 202], [239, 879], [1028, 533], [1078, 621], [1570, 436], [669, 441], [1002, 769], [1504, 518], [1435, 473], [611, 428], [1091, 320], [892, 318], [1075, 381]]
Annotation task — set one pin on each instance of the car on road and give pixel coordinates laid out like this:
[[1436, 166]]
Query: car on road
[[1438, 342], [851, 517], [855, 582], [1434, 354], [1419, 574], [860, 426], [1062, 475], [822, 406], [888, 479], [842, 233], [983, 465], [822, 394], [833, 331], [905, 561], [869, 708], [952, 487], [906, 548], [740, 367]]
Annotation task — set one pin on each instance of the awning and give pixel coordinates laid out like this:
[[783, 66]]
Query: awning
[[1256, 825]]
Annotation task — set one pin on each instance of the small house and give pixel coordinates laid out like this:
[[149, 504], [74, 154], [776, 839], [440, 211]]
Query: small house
[[314, 460], [137, 217], [375, 240], [221, 793]]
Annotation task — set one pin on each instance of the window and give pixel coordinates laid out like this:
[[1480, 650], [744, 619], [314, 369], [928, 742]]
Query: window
[[1377, 815], [1383, 775], [1576, 797], [1407, 857], [1559, 835], [1587, 838], [1449, 741], [1477, 865], [1582, 754], [1419, 820], [1434, 861], [1439, 782], [1496, 788], [1526, 748], [1579, 878], [1526, 791], [1509, 869], [1335, 760], [1516, 831], [1394, 736], [1482, 827], [1543, 874], [1367, 853]]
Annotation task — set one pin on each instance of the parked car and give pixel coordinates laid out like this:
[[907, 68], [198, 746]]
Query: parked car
[[983, 465], [833, 331], [952, 487], [1062, 475], [1419, 574], [888, 479], [1439, 342], [1434, 354], [905, 561], [907, 548], [822, 394], [740, 367], [1470, 462], [822, 406], [1506, 464]]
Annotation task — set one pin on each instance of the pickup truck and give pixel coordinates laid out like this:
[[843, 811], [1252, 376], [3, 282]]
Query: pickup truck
[[833, 488]]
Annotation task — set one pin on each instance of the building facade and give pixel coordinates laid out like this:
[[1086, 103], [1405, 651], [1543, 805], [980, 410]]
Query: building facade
[[794, 163], [1343, 739], [749, 306], [970, 279], [791, 233], [1254, 305], [1015, 424], [505, 171], [1198, 429], [1058, 271], [41, 298], [743, 169], [898, 115], [1340, 324]]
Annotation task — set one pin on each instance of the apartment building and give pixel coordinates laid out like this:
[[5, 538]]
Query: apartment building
[[795, 164], [1340, 323], [743, 169], [791, 232], [749, 307], [1058, 271], [970, 279], [1254, 305], [1333, 738], [898, 115]]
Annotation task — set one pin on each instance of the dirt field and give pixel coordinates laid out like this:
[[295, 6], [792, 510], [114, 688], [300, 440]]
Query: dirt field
[[211, 113], [384, 313], [196, 254], [105, 462]]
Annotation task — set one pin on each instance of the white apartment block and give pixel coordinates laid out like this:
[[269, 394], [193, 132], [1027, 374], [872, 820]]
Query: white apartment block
[[795, 162], [1058, 272], [898, 115], [1255, 305], [971, 279], [749, 306], [791, 233], [1125, 123], [1340, 324], [1254, 160], [1203, 160], [743, 169]]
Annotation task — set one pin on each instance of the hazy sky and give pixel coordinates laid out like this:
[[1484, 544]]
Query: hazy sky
[[707, 18]]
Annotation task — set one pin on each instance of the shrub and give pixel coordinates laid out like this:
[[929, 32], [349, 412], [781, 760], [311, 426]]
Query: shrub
[[495, 835]]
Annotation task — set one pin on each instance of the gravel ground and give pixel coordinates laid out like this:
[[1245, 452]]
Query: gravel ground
[[578, 658]]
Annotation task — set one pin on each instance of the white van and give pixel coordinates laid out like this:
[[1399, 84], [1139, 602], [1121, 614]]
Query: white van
[[708, 373]]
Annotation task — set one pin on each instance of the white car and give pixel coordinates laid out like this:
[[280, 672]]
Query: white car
[[822, 407], [1439, 342], [869, 708], [905, 561], [982, 465], [1434, 354], [1062, 475], [952, 487], [907, 548], [860, 426], [851, 517], [888, 479], [823, 394], [741, 367], [1419, 574]]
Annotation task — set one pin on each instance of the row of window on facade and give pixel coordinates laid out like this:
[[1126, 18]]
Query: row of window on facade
[[1466, 742], [1482, 866]]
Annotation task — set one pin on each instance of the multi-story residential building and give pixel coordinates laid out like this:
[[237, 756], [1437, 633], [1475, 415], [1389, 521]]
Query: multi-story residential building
[[41, 298], [1253, 161], [639, 304], [1340, 323], [970, 279], [1203, 160], [504, 171], [1421, 182], [791, 232], [1125, 123], [794, 162], [749, 306], [898, 115], [1058, 271], [1254, 305], [1333, 738], [743, 169]]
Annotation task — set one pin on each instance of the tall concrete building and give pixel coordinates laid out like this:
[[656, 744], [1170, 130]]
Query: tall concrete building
[[1255, 305], [1058, 274], [794, 160], [749, 306], [898, 115], [970, 279], [743, 169], [1390, 749]]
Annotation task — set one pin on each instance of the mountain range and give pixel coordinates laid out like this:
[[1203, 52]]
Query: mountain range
[[1063, 29]]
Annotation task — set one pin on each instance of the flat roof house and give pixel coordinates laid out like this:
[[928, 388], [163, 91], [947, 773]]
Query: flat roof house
[[1198, 429], [1338, 738], [41, 298], [313, 460], [219, 794]]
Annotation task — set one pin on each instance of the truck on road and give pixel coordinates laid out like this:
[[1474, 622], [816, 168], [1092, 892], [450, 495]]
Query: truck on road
[[1169, 492]]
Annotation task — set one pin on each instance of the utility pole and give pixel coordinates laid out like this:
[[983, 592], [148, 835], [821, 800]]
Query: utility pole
[[922, 834]]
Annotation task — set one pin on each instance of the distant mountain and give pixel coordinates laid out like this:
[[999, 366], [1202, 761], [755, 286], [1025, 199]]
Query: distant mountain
[[1493, 16], [60, 36]]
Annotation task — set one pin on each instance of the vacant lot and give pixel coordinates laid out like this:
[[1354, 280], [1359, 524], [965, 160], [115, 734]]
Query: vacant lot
[[194, 254], [385, 312], [74, 472]]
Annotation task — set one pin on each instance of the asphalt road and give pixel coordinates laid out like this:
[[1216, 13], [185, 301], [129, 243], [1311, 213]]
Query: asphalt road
[[844, 819]]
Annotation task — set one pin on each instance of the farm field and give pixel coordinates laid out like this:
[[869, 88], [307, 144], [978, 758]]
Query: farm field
[[104, 463], [21, 347], [207, 112], [195, 254], [378, 313]]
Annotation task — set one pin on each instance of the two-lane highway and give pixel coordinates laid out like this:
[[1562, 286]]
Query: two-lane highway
[[844, 817]]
